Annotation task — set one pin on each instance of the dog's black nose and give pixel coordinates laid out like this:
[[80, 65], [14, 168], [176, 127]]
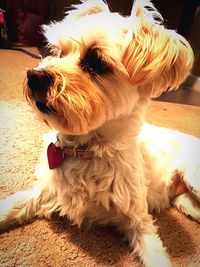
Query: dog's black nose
[[39, 79]]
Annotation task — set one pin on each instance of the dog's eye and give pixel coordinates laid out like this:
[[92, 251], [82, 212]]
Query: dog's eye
[[61, 54], [94, 63]]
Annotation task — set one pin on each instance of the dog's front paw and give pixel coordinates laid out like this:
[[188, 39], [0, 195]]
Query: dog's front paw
[[5, 207], [154, 253], [148, 247], [157, 259], [17, 208]]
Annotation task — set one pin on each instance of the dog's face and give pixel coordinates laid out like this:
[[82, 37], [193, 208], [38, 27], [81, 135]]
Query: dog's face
[[102, 63]]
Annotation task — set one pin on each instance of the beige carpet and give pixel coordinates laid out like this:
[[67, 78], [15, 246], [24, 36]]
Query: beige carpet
[[56, 243]]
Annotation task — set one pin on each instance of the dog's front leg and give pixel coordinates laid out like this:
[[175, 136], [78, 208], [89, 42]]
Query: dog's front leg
[[145, 242], [25, 205]]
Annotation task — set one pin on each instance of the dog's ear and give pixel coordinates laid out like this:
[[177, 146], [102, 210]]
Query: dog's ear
[[154, 56]]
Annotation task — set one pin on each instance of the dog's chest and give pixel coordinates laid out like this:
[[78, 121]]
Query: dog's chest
[[83, 181], [85, 188]]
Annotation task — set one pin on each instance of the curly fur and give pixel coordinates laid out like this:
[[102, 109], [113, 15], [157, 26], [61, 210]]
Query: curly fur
[[135, 164]]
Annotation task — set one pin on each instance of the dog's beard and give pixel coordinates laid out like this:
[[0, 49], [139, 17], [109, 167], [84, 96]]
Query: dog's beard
[[44, 108]]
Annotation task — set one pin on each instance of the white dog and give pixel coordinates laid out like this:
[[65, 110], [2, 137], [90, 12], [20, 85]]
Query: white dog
[[105, 166]]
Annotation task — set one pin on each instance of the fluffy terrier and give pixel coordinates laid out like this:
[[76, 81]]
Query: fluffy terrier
[[105, 165]]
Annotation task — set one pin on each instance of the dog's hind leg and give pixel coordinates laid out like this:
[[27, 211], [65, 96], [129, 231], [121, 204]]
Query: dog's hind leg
[[183, 195], [188, 204], [187, 189], [25, 205]]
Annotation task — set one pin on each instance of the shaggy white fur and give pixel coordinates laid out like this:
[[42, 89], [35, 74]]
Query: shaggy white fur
[[94, 91]]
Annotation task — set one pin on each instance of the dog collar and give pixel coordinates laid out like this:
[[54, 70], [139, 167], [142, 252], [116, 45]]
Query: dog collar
[[56, 155]]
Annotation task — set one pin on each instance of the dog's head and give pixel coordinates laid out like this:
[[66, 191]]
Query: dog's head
[[102, 63]]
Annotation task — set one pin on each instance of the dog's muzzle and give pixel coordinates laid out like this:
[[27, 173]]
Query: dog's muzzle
[[39, 82]]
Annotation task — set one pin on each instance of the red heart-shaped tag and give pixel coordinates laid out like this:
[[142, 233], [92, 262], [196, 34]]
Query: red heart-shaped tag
[[55, 156]]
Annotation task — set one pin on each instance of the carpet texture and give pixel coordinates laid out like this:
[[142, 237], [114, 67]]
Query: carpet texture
[[56, 243]]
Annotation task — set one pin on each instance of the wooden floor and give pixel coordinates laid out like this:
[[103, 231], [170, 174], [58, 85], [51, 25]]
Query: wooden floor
[[188, 93]]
